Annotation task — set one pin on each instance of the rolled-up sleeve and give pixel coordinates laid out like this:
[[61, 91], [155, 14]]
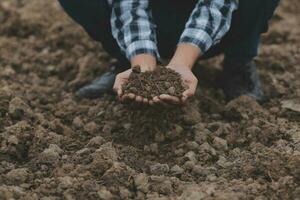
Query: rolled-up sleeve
[[208, 23], [133, 27]]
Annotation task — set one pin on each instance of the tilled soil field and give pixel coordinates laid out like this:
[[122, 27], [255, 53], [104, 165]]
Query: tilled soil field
[[55, 146]]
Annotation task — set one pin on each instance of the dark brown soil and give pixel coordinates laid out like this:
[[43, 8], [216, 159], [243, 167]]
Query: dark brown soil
[[154, 83], [54, 146]]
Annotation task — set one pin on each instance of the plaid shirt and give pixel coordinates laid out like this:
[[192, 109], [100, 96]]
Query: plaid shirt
[[133, 27]]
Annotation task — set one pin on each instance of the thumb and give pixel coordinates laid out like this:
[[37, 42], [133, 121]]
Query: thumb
[[118, 86], [189, 92]]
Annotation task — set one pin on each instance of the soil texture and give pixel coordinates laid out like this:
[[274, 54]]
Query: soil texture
[[54, 146], [150, 84]]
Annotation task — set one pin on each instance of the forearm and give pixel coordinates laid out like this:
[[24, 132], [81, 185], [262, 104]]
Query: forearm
[[145, 61], [185, 56]]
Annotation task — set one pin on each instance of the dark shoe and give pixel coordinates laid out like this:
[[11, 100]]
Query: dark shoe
[[101, 85], [240, 79]]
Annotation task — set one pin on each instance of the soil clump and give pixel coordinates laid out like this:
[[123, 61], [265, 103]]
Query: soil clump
[[154, 83]]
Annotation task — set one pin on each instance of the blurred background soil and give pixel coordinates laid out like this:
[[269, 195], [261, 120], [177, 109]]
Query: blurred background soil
[[54, 146]]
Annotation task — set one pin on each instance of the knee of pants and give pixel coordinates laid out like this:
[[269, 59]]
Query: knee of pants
[[255, 14], [270, 7]]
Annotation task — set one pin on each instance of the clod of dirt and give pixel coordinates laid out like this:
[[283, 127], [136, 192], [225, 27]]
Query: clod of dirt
[[222, 162], [104, 194], [206, 148], [11, 192], [161, 185], [12, 140], [220, 144], [91, 128], [4, 102], [174, 133], [191, 114], [201, 135], [141, 182], [159, 169], [154, 83], [50, 155], [17, 176], [17, 108], [125, 193], [95, 142], [77, 122], [103, 158], [189, 165], [198, 170], [65, 182], [154, 148], [291, 105], [176, 170], [243, 108], [191, 156], [293, 165], [192, 145]]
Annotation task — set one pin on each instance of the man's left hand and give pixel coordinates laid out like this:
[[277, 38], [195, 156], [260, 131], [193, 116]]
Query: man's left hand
[[188, 79]]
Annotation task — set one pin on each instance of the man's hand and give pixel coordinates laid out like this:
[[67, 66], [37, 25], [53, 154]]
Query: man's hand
[[182, 62], [147, 63], [188, 79]]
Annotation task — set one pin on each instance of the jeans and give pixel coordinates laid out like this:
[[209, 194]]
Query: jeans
[[240, 44]]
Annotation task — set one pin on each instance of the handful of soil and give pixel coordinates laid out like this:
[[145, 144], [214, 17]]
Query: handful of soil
[[154, 83]]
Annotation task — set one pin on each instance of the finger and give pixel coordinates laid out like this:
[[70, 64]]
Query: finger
[[151, 103], [129, 96], [169, 99], [145, 101], [118, 87], [156, 100], [139, 99], [119, 92], [189, 92]]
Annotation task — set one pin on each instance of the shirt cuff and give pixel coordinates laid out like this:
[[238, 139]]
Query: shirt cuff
[[142, 47], [198, 38]]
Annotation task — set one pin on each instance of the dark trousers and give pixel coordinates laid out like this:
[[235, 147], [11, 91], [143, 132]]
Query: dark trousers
[[240, 44]]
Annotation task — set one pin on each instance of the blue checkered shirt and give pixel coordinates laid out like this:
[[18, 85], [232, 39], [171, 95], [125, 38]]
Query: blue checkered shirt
[[134, 29]]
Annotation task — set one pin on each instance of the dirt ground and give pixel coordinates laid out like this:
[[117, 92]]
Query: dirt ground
[[55, 146]]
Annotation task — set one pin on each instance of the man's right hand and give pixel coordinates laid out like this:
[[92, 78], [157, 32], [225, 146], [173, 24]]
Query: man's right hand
[[147, 62]]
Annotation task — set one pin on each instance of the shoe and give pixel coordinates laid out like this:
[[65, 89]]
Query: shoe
[[240, 79], [101, 85]]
